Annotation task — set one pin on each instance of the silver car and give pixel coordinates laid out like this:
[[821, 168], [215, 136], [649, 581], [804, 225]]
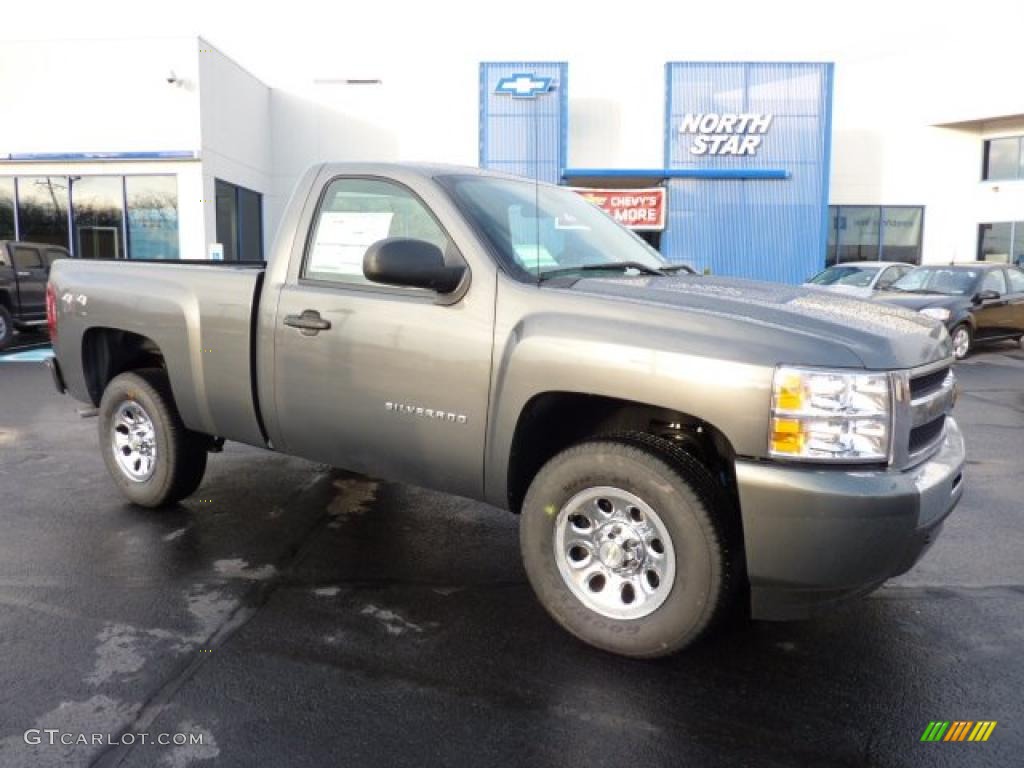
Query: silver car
[[859, 278]]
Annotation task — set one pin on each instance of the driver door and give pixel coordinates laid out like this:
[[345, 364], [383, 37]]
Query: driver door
[[396, 385], [990, 315], [1015, 299]]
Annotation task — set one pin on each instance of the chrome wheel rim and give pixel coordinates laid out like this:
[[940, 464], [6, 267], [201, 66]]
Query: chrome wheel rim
[[3, 327], [133, 439], [614, 553], [961, 343]]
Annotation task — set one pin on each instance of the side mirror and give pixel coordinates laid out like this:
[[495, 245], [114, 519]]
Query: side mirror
[[981, 296], [411, 263]]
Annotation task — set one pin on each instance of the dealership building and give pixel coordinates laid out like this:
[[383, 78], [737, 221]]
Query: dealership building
[[760, 169]]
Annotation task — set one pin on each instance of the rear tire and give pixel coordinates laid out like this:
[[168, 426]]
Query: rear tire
[[6, 328], [153, 459], [628, 545]]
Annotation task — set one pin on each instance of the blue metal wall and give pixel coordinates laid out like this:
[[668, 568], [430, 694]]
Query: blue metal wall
[[766, 229], [524, 134]]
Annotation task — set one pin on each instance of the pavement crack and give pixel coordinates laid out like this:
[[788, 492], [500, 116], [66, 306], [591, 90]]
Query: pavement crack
[[250, 604]]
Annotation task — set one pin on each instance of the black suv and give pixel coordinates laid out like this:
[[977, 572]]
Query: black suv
[[24, 270], [978, 302]]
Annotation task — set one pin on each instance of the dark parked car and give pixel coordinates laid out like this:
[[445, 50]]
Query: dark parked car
[[24, 270], [977, 302]]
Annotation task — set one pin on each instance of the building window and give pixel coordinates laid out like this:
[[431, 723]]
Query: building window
[[36, 209], [97, 205], [43, 209], [1001, 241], [239, 222], [152, 203], [1004, 159], [7, 219], [873, 233]]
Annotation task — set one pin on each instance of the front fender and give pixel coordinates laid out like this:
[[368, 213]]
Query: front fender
[[562, 353]]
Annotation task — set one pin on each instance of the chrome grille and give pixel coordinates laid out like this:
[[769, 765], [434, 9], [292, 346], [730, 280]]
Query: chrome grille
[[929, 394]]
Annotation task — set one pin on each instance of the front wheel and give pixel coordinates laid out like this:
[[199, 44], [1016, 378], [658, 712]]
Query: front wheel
[[152, 457], [626, 546], [961, 337]]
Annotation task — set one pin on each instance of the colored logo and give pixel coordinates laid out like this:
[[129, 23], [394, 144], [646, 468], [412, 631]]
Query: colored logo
[[958, 730], [523, 86]]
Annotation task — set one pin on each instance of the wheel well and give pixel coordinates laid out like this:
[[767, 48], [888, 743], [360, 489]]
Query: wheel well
[[107, 352], [553, 421], [5, 300]]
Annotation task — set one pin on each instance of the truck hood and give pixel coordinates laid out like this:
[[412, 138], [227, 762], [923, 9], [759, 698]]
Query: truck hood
[[882, 336], [846, 290]]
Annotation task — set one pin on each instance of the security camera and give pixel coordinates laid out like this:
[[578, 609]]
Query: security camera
[[172, 79]]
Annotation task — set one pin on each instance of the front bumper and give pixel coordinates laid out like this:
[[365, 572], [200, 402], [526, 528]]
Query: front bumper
[[816, 535]]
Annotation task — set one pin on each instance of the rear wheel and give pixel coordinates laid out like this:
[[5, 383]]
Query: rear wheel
[[961, 336], [6, 328], [152, 457], [626, 546]]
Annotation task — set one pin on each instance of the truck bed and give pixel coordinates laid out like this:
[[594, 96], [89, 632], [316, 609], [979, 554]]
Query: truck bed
[[197, 315]]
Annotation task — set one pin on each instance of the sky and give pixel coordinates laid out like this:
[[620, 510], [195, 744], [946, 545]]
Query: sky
[[289, 44]]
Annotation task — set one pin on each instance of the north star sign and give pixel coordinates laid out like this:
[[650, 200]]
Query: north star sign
[[523, 86], [729, 133]]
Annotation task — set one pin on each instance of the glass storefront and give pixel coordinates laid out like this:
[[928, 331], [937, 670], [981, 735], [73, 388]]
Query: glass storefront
[[1001, 241], [239, 222], [152, 217], [97, 203], [7, 231], [43, 209], [111, 217], [873, 233]]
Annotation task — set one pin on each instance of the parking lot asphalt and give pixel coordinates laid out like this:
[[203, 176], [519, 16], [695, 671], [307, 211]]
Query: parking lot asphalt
[[295, 615]]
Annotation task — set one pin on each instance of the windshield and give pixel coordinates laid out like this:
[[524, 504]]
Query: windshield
[[541, 230], [859, 277], [952, 282]]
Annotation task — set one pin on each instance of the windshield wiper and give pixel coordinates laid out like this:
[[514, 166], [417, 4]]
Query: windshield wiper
[[620, 266]]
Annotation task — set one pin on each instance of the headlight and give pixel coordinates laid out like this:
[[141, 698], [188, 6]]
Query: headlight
[[821, 415], [939, 313]]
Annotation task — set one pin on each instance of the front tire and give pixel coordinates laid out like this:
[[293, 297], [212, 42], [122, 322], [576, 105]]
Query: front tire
[[6, 328], [154, 460], [962, 341], [628, 546]]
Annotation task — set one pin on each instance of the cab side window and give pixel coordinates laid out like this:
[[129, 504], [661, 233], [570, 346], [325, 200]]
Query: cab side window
[[890, 276], [355, 214], [26, 258], [994, 281], [1016, 280]]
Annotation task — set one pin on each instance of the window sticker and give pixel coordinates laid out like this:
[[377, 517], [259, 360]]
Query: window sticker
[[343, 237], [532, 256]]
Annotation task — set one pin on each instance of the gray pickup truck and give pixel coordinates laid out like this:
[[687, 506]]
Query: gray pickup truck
[[674, 444]]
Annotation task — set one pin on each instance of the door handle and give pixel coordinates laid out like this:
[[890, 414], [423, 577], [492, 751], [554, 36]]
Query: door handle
[[24, 274], [309, 322]]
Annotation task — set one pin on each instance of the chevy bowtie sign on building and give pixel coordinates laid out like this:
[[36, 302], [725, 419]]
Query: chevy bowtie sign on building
[[725, 134], [523, 86]]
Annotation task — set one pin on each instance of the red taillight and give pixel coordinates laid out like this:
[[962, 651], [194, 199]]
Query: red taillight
[[51, 311]]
